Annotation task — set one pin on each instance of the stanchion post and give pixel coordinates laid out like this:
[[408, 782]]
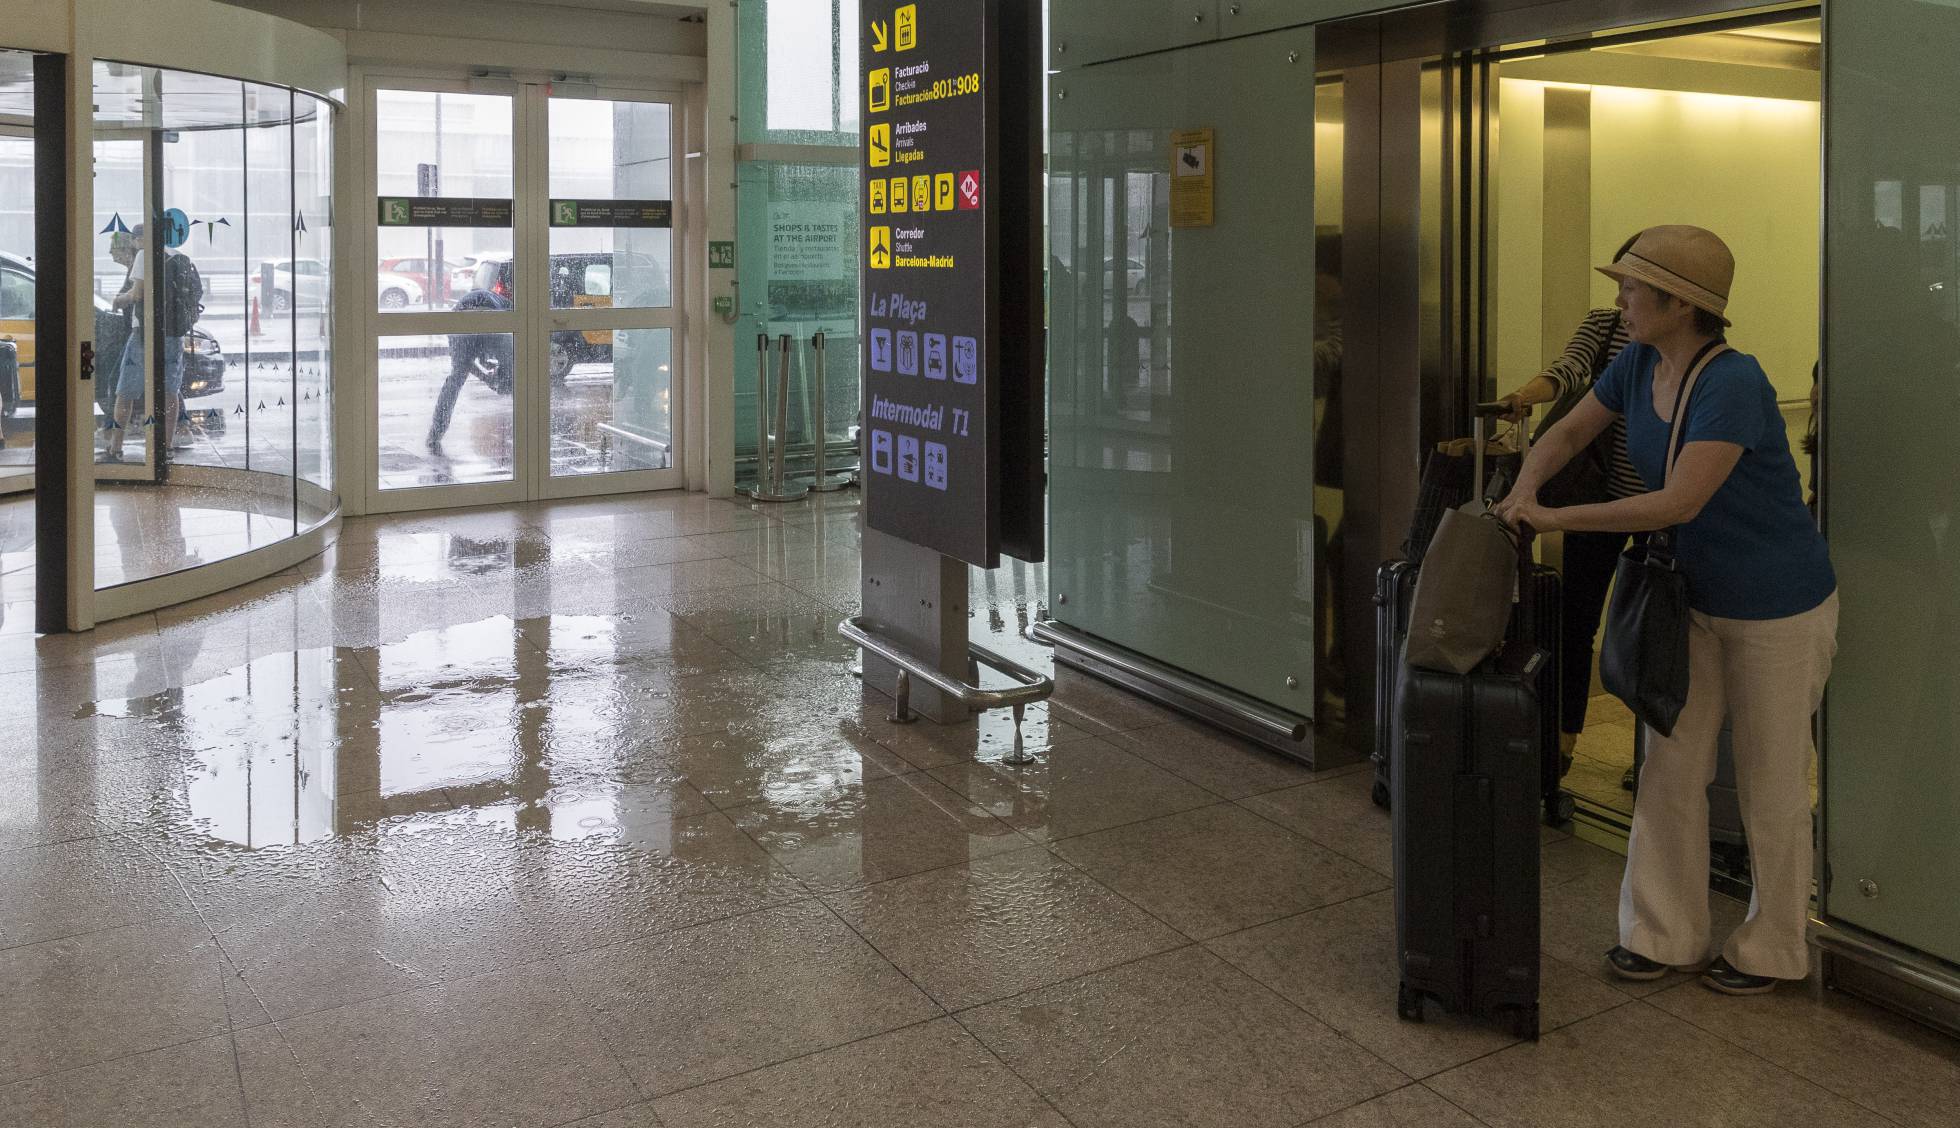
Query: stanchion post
[[769, 472], [761, 414], [820, 420], [818, 414], [782, 417]]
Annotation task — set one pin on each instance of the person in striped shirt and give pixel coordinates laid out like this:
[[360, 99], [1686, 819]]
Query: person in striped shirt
[[1590, 558]]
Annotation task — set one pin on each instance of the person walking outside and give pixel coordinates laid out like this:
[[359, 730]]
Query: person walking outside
[[1763, 612]]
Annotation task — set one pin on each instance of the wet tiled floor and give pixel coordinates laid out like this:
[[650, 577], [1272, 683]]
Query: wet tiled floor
[[573, 814]]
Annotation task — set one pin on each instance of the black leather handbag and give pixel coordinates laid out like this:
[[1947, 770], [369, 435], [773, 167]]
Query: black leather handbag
[[1582, 481], [1644, 659]]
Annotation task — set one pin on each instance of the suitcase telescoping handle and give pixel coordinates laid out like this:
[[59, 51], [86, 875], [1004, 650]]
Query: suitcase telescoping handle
[[1485, 412]]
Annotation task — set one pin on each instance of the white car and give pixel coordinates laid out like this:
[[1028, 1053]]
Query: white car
[[308, 280]]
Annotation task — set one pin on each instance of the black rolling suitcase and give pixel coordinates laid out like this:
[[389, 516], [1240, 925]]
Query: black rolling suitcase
[[1538, 621], [1466, 802]]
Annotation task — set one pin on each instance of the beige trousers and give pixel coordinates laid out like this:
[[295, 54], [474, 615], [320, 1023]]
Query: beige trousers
[[1767, 678]]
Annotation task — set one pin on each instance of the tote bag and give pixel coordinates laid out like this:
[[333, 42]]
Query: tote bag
[[1464, 592]]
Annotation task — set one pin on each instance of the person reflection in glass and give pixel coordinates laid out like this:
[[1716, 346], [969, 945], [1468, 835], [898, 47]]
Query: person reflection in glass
[[1328, 454], [130, 389]]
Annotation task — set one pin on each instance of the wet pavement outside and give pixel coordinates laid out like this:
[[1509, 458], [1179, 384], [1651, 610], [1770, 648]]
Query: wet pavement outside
[[573, 814]]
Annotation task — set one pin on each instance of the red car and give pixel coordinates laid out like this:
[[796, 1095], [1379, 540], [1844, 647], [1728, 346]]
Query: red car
[[438, 284]]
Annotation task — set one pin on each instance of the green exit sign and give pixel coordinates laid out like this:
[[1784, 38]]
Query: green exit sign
[[721, 255]]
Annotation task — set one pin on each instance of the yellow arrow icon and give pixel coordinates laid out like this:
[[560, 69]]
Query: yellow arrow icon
[[879, 35]]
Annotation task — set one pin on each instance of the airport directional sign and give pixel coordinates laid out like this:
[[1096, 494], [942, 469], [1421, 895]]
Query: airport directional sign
[[951, 274]]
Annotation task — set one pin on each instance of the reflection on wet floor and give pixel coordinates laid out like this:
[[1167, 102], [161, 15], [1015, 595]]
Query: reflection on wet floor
[[549, 813]]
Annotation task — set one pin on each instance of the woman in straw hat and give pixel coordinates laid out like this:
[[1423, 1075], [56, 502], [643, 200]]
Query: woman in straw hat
[[1763, 612]]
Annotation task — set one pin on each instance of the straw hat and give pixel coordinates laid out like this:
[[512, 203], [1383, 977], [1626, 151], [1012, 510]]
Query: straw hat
[[1691, 263]]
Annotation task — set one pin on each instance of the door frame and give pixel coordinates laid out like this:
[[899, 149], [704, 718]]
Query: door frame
[[531, 321]]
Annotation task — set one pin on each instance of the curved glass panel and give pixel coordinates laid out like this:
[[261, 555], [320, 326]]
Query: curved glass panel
[[211, 360]]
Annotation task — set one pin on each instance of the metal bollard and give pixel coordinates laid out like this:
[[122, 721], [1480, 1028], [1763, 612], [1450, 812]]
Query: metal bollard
[[769, 471], [1018, 756], [823, 482]]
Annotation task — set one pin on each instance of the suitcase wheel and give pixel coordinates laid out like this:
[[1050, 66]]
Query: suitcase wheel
[[1524, 1022], [1380, 794], [1408, 1003], [1559, 809]]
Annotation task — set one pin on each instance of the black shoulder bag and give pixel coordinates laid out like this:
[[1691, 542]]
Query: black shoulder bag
[[1582, 481], [1644, 660]]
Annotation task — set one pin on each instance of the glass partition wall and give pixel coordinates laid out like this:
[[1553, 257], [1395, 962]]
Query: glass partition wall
[[796, 221], [213, 243], [1891, 485], [1183, 364]]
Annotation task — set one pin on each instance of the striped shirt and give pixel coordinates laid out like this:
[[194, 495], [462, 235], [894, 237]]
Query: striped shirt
[[1600, 337]]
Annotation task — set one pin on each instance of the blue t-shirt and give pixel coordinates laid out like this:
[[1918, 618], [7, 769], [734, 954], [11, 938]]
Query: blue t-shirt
[[1754, 551]]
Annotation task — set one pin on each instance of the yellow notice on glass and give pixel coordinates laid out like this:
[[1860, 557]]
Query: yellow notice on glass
[[1193, 166]]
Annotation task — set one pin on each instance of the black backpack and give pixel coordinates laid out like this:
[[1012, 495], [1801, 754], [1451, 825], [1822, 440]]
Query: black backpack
[[182, 294]]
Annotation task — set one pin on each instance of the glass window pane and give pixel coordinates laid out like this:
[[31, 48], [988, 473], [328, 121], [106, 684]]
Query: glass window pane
[[429, 144], [18, 389], [260, 438], [446, 414], [313, 345], [606, 150], [613, 410]]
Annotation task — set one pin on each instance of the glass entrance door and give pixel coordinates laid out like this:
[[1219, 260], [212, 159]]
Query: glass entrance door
[[610, 325], [526, 326]]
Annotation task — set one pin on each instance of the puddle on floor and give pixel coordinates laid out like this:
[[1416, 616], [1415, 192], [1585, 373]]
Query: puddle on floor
[[564, 726]]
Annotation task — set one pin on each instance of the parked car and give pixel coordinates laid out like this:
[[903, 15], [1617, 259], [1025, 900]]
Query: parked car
[[204, 359], [582, 280], [308, 281], [1136, 276], [439, 282]]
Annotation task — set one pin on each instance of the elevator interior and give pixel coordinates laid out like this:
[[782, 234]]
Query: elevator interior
[[1531, 163]]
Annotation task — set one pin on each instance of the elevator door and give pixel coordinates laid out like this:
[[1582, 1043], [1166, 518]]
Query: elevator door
[[1182, 360]]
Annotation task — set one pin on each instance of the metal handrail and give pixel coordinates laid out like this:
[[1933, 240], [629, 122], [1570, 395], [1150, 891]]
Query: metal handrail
[[1220, 702], [1031, 686]]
